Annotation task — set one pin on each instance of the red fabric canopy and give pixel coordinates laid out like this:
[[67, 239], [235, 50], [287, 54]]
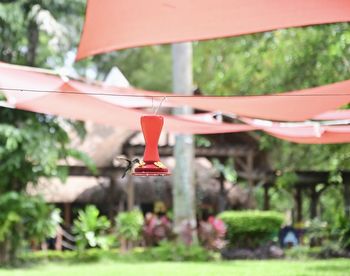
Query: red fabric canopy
[[42, 82], [87, 106], [334, 115], [328, 137], [118, 24], [296, 105], [313, 133], [292, 106], [84, 106]]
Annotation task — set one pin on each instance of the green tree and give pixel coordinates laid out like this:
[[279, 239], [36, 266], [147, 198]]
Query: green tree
[[24, 221], [39, 32], [33, 145]]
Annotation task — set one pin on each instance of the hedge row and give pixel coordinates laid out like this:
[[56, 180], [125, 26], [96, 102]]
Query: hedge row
[[249, 229]]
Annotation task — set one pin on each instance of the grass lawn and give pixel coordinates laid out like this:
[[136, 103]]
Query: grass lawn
[[261, 268]]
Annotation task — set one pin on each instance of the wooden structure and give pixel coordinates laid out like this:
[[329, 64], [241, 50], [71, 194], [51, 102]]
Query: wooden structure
[[251, 164], [312, 183], [242, 147]]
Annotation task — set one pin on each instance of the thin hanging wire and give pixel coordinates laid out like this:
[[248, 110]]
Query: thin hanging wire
[[169, 95], [160, 104]]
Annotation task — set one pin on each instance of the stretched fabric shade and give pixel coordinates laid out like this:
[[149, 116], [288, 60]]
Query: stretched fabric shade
[[291, 106], [118, 24], [298, 105], [328, 137], [334, 115], [87, 106], [304, 134], [42, 81]]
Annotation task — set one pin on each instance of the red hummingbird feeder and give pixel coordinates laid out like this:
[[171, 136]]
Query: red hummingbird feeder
[[151, 166]]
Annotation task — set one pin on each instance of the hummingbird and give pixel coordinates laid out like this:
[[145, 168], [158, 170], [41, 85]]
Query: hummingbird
[[130, 165]]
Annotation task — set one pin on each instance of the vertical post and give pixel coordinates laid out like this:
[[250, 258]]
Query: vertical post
[[313, 203], [67, 214], [266, 197], [130, 187], [110, 198], [347, 196], [299, 205], [250, 170], [222, 196], [183, 188]]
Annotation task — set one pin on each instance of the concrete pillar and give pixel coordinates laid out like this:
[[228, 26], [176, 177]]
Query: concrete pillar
[[183, 188]]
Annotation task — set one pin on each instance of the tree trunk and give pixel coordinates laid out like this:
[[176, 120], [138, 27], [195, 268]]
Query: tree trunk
[[33, 41], [4, 256], [183, 188], [347, 197]]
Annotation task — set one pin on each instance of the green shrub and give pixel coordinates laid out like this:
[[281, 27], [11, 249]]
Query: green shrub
[[89, 255], [317, 232], [331, 249], [303, 252], [90, 229], [129, 225], [176, 252], [23, 219], [342, 232], [48, 255], [327, 250], [249, 229], [166, 251]]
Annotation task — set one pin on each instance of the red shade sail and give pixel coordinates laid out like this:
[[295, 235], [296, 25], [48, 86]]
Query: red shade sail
[[304, 134], [328, 137], [334, 115], [42, 82], [118, 24], [85, 105], [291, 106], [298, 105]]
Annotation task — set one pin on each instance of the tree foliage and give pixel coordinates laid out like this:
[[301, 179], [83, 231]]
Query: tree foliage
[[24, 221], [39, 32], [90, 229], [129, 225], [32, 145]]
